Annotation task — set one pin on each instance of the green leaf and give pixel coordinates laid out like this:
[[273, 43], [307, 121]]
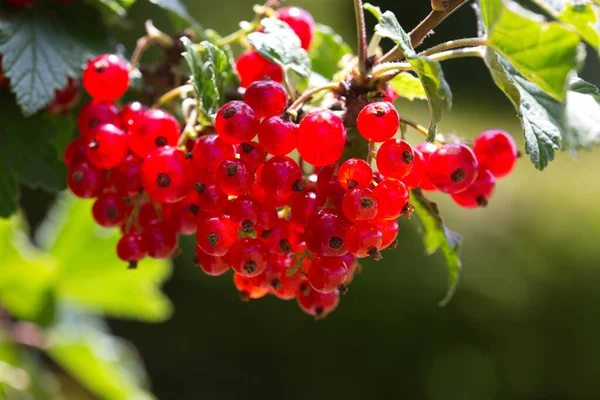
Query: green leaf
[[179, 14], [428, 71], [376, 11], [408, 86], [211, 73], [43, 45], [326, 51], [90, 273], [546, 53], [9, 192], [438, 236], [279, 44], [106, 365], [27, 274], [581, 121], [118, 7]]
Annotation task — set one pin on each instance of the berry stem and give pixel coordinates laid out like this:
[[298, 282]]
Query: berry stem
[[249, 27], [153, 35], [371, 153], [362, 37], [419, 128], [304, 97], [453, 44], [189, 131], [179, 91]]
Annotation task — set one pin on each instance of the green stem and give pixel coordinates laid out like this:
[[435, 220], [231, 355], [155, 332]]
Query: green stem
[[153, 35], [173, 93], [362, 37], [419, 128], [453, 44], [304, 97]]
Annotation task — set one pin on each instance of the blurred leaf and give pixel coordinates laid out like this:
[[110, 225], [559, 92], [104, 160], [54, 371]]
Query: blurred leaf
[[89, 271], [326, 51], [42, 46], [429, 72], [26, 275], [278, 43], [438, 236], [406, 85], [105, 364], [179, 14], [545, 53], [118, 7], [581, 122], [9, 192]]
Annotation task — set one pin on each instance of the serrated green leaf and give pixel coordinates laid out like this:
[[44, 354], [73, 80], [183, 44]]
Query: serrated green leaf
[[179, 14], [408, 86], [545, 53], [279, 44], [106, 365], [43, 45], [429, 71], [436, 237], [90, 274], [326, 51]]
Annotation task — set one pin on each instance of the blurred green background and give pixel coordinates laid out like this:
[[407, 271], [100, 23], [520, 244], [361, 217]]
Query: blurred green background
[[523, 324]]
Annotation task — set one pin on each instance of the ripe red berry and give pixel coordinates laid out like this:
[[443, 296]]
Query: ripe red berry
[[211, 265], [281, 177], [452, 168], [417, 173], [107, 146], [389, 231], [146, 214], [496, 151], [106, 77], [248, 257], [326, 274], [324, 235], [85, 180], [216, 235], [208, 153], [321, 138], [252, 153], [66, 98], [278, 136], [235, 177], [304, 206], [267, 98], [183, 215], [75, 152], [355, 173], [161, 239], [167, 175], [360, 205], [109, 210], [211, 198], [95, 113], [364, 240], [316, 304], [282, 238], [392, 197], [236, 122], [259, 191], [128, 177], [281, 285], [390, 95], [132, 248], [395, 159], [301, 22], [378, 122], [156, 128], [249, 288], [426, 149], [245, 211], [253, 67], [479, 192], [132, 114]]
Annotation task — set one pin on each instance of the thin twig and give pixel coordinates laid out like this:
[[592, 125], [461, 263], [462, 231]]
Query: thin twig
[[419, 128], [304, 97], [153, 35], [172, 94], [453, 44], [362, 37]]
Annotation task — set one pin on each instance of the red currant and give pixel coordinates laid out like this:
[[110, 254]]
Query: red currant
[[392, 196], [183, 215], [324, 235], [156, 128], [452, 168], [132, 114], [282, 239], [109, 210], [94, 114], [211, 198], [316, 304], [304, 206], [106, 77], [395, 159], [244, 211], [161, 239], [267, 98], [249, 288], [278, 136], [216, 235], [417, 173], [360, 205], [321, 138], [85, 180], [496, 151], [252, 153], [281, 177], [479, 192], [128, 177], [364, 240], [75, 152], [390, 95], [253, 67], [211, 265], [426, 149], [389, 232], [66, 98], [131, 248], [248, 257], [107, 146], [301, 22], [236, 122], [355, 173], [167, 175], [208, 153], [378, 122], [326, 274], [235, 177]]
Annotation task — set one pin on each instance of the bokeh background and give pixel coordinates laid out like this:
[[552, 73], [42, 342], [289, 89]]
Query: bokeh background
[[524, 323]]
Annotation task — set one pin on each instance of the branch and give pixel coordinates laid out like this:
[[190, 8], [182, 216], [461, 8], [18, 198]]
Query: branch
[[362, 37]]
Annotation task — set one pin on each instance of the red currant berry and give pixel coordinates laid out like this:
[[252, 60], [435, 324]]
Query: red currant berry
[[282, 286], [324, 235], [132, 249], [281, 177], [132, 114], [452, 168], [167, 175], [267, 98], [236, 123], [364, 240], [245, 211], [128, 177], [211, 199], [389, 232], [282, 238], [304, 206], [95, 113], [390, 95], [235, 177], [161, 239], [301, 22], [85, 180], [109, 210], [66, 98], [321, 138], [210, 265], [417, 173], [249, 288], [258, 190], [496, 151], [146, 214], [253, 67], [355, 173], [267, 219], [395, 159], [392, 197], [107, 146], [378, 122], [183, 215], [248, 257], [216, 235], [316, 304], [360, 205], [326, 274], [75, 152], [252, 153], [106, 77], [426, 149], [208, 153], [156, 128], [277, 136], [479, 192]]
